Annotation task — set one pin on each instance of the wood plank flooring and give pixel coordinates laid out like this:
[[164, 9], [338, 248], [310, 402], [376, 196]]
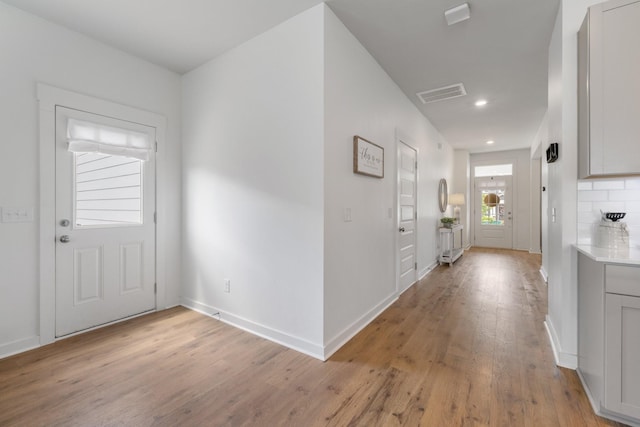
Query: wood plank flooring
[[466, 346]]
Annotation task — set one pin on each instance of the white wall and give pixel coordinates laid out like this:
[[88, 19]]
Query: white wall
[[33, 50], [538, 195], [462, 184], [561, 263], [521, 183], [535, 241], [361, 99], [268, 158], [253, 193]]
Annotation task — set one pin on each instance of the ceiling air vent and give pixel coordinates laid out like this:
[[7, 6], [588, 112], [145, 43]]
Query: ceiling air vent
[[440, 94]]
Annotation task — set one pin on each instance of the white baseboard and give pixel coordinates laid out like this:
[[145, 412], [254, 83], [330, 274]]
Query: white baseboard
[[295, 343], [602, 412], [535, 252], [428, 269], [343, 337], [544, 275], [595, 405], [564, 360], [19, 346]]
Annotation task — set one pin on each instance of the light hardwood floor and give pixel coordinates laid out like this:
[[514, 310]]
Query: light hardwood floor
[[465, 346]]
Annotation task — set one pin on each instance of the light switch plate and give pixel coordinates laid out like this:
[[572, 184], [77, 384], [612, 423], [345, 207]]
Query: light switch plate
[[347, 215]]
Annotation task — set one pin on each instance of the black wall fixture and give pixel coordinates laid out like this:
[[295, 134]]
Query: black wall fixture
[[552, 152]]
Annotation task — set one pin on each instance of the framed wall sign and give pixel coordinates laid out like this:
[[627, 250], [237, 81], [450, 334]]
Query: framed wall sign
[[368, 158]]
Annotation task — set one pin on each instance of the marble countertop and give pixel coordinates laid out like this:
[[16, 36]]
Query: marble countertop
[[629, 256]]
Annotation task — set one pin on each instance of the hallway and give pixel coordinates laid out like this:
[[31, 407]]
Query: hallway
[[464, 346]]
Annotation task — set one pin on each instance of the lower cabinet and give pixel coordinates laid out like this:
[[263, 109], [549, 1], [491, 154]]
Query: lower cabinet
[[609, 337], [622, 354]]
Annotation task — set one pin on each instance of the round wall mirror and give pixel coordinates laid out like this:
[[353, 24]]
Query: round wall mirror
[[443, 195]]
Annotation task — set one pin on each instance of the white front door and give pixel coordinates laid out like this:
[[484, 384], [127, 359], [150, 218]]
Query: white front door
[[407, 171], [105, 231], [493, 218]]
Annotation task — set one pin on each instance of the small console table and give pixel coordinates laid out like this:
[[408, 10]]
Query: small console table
[[450, 244]]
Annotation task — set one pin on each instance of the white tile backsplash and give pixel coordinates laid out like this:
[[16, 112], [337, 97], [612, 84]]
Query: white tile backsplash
[[608, 195], [593, 196], [608, 185], [585, 234], [585, 206], [585, 185], [609, 207], [624, 195], [588, 217], [632, 206]]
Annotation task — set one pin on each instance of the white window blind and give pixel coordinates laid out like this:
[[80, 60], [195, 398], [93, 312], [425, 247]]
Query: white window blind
[[108, 190], [87, 137]]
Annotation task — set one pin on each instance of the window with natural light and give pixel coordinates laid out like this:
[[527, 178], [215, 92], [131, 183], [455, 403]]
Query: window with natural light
[[492, 207], [493, 170]]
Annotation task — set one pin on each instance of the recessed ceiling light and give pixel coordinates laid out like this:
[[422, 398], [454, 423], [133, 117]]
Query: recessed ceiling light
[[481, 102], [490, 142]]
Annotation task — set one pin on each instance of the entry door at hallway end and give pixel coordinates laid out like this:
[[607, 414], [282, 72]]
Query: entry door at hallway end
[[105, 228], [407, 215], [493, 212]]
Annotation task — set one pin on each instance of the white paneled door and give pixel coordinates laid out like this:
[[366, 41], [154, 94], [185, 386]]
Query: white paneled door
[[493, 214], [105, 229], [407, 217]]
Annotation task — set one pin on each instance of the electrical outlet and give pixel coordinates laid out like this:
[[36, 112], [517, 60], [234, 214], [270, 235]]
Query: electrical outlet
[[227, 285]]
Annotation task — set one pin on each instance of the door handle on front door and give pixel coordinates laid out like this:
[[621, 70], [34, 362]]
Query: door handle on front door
[[401, 229], [64, 239]]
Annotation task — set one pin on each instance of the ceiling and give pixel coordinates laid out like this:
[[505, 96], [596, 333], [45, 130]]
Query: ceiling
[[500, 54]]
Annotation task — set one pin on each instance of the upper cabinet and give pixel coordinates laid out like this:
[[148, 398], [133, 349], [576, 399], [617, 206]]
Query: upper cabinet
[[609, 90]]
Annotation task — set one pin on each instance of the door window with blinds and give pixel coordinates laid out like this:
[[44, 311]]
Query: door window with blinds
[[108, 190], [108, 174]]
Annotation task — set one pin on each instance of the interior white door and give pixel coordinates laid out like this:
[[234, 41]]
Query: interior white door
[[105, 231], [493, 214], [407, 215]]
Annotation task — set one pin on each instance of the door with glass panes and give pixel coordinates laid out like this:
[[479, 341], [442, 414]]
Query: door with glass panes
[[493, 218], [105, 230]]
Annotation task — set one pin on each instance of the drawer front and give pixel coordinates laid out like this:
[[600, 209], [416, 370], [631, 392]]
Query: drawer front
[[623, 280]]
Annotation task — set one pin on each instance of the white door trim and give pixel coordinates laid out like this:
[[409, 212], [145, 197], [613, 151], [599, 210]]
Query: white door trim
[[402, 138], [514, 201], [48, 98]]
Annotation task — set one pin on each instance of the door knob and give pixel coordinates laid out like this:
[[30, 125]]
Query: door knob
[[401, 229], [64, 223], [65, 239]]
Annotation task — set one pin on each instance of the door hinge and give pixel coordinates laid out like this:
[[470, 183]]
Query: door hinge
[[156, 146], [415, 265], [155, 217], [155, 288], [416, 164], [416, 214]]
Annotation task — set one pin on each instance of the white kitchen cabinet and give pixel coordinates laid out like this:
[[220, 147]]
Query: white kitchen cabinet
[[609, 337], [622, 353], [622, 340], [609, 90]]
